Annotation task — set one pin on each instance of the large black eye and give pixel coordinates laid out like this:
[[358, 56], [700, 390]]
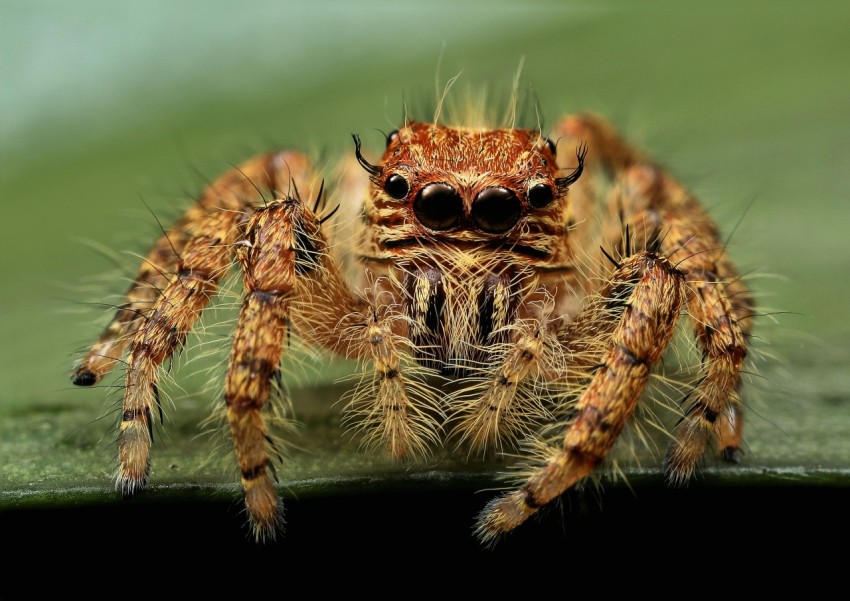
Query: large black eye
[[396, 186], [438, 207], [496, 210], [540, 195]]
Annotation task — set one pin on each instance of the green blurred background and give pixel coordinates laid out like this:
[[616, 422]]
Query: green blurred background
[[111, 112]]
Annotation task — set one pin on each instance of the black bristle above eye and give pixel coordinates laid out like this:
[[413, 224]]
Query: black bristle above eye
[[551, 146], [565, 182], [372, 170], [396, 186]]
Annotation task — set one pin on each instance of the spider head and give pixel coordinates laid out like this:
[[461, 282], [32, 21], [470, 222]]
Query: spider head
[[468, 184]]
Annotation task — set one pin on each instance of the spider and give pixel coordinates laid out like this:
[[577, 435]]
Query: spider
[[497, 298]]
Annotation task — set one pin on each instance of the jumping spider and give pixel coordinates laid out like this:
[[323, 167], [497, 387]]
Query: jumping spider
[[486, 260]]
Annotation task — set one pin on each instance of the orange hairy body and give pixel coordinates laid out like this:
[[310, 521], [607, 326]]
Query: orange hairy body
[[476, 300]]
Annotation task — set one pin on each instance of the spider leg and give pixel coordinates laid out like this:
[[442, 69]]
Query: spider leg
[[394, 411], [233, 191], [665, 217], [290, 277], [202, 255], [647, 292], [497, 410], [277, 248], [720, 308], [204, 259]]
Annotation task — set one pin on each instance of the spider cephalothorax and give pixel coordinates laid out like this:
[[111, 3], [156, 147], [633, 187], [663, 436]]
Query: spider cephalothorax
[[466, 185], [479, 303]]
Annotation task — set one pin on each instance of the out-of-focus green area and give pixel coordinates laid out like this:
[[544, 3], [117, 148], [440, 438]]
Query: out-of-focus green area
[[112, 113]]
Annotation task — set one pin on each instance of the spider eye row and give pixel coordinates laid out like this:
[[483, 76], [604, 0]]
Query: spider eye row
[[495, 210], [438, 206], [501, 203]]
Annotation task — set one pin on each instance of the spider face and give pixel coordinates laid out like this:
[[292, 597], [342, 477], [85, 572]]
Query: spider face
[[464, 184], [477, 263]]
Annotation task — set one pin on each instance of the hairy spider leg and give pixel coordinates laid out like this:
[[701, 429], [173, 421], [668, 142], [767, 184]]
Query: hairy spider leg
[[665, 217], [291, 277], [280, 255], [720, 308], [188, 262], [647, 291]]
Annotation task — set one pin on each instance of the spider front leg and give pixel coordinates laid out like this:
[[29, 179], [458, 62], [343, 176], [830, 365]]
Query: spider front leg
[[283, 245], [291, 277], [644, 298]]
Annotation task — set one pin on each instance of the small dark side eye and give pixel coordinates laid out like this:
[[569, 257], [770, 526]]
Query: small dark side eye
[[540, 195], [396, 186]]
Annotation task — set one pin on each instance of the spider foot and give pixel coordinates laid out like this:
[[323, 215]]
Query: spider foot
[[683, 456], [731, 455], [134, 443], [264, 509], [501, 515], [132, 479]]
